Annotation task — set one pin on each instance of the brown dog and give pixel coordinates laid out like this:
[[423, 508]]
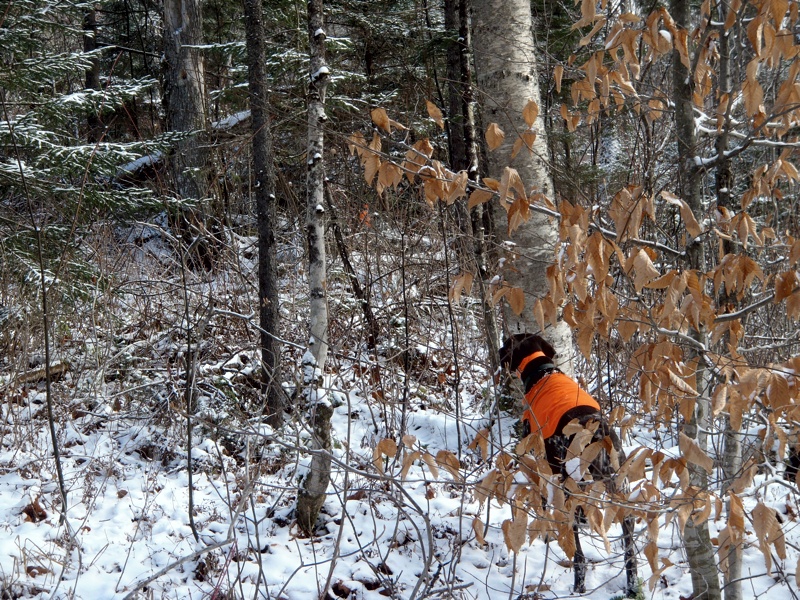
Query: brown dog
[[553, 400]]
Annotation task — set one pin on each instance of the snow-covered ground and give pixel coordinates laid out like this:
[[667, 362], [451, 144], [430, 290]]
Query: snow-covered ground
[[382, 532]]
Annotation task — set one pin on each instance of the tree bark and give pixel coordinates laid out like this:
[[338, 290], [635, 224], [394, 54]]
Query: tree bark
[[184, 93], [315, 179], [95, 125], [312, 495], [471, 162], [264, 187], [732, 448], [507, 78], [455, 117], [697, 540]]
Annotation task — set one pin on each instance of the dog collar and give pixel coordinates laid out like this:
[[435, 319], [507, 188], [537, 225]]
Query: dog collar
[[526, 360]]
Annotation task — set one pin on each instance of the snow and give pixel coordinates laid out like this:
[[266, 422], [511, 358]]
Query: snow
[[319, 73], [140, 163], [231, 121], [124, 455]]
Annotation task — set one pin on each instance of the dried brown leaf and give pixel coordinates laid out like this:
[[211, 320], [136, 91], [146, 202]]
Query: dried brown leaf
[[530, 112], [381, 119], [448, 461], [478, 196], [435, 113], [408, 461], [494, 136], [477, 528], [692, 452], [515, 531]]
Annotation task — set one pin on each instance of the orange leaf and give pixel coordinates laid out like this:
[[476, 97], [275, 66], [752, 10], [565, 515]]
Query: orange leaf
[[381, 119], [516, 300], [477, 197], [558, 73], [435, 113], [494, 136], [530, 112]]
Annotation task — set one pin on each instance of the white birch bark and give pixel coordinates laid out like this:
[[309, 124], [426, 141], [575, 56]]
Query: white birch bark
[[315, 212], [315, 484], [506, 74]]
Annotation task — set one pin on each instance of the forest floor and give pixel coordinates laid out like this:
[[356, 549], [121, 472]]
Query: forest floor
[[121, 426]]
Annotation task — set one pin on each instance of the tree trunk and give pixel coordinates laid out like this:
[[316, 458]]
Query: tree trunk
[[455, 117], [264, 186], [315, 179], [471, 162], [732, 449], [507, 78], [95, 125], [184, 93], [312, 495], [699, 550]]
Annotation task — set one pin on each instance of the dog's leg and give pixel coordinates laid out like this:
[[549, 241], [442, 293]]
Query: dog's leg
[[579, 560]]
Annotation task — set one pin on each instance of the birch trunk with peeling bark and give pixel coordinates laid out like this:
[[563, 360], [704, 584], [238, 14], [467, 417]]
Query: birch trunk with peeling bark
[[315, 484], [315, 179], [507, 78], [264, 189]]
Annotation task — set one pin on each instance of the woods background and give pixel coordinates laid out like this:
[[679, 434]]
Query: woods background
[[223, 223]]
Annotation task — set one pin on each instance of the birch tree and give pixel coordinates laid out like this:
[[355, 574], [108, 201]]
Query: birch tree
[[507, 81], [315, 483]]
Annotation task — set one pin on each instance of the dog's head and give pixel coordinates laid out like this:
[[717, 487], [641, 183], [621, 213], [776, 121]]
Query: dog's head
[[521, 345]]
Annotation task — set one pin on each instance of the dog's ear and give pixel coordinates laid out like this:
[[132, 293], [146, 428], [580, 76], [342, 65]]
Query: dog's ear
[[545, 347], [521, 345], [508, 353]]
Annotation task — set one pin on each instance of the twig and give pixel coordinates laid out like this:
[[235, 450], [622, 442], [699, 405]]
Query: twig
[[144, 583]]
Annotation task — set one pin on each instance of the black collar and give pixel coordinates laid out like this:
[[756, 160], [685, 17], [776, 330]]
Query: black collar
[[533, 375]]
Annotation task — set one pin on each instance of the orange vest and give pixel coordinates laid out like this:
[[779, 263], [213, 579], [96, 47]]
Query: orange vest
[[551, 397]]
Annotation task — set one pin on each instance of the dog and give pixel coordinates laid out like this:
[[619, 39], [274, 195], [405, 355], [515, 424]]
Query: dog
[[552, 401]]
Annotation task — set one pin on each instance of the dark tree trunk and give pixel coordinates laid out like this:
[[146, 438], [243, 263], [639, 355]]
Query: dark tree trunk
[[95, 125], [184, 94], [455, 116], [264, 184]]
